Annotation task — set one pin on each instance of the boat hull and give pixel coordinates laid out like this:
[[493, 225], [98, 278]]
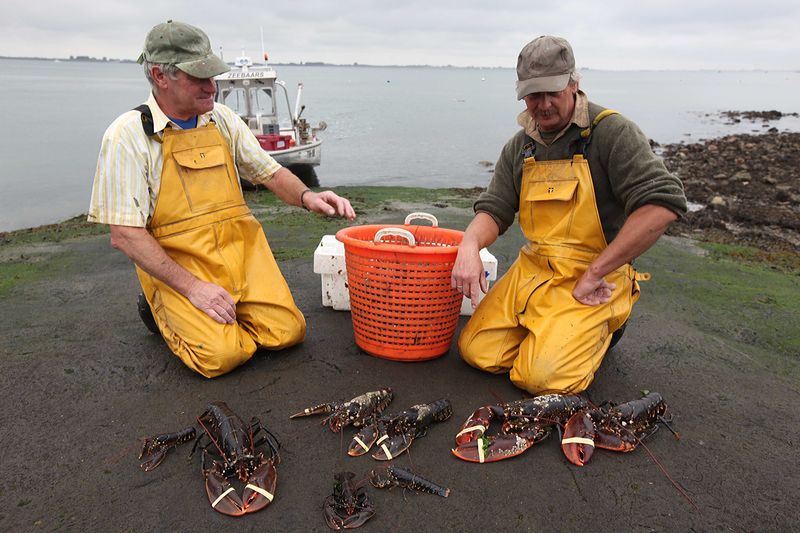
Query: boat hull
[[304, 154]]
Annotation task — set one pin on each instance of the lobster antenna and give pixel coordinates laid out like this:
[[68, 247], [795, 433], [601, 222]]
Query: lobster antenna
[[675, 484], [664, 421], [216, 444]]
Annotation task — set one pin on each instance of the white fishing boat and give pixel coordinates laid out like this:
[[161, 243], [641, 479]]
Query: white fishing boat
[[255, 93]]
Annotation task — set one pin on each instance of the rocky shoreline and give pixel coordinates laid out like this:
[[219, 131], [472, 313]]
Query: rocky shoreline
[[743, 189]]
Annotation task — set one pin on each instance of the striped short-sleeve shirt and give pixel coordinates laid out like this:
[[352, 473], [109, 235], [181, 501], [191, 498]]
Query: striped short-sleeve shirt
[[128, 174]]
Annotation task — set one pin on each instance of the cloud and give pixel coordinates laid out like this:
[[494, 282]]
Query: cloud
[[616, 34]]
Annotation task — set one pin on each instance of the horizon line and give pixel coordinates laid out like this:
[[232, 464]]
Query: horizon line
[[93, 59]]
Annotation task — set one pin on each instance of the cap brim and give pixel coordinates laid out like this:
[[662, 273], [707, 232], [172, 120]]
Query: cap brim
[[546, 84], [207, 67]]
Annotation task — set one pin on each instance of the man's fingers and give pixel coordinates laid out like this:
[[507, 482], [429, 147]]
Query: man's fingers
[[228, 299]]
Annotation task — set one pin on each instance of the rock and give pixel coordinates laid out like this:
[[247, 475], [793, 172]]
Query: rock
[[745, 181], [742, 175]]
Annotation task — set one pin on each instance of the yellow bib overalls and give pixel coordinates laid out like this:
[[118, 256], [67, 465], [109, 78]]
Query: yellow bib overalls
[[203, 223], [529, 324]]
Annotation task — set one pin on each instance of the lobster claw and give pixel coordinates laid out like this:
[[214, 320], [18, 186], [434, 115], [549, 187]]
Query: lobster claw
[[475, 426], [364, 439], [578, 442], [391, 447], [155, 448], [495, 448], [221, 494], [260, 488], [152, 454], [337, 520]]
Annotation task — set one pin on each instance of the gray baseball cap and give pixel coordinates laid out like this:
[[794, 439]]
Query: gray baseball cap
[[184, 46], [544, 65]]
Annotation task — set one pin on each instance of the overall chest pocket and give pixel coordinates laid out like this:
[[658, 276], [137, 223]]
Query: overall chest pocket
[[550, 206], [206, 180]]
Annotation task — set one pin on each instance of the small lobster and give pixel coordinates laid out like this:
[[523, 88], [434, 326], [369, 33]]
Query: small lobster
[[234, 446], [349, 506], [392, 476], [394, 434], [525, 422], [619, 428], [357, 411]]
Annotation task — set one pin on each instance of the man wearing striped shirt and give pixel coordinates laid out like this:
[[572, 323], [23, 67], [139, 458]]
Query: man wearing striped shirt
[[167, 183]]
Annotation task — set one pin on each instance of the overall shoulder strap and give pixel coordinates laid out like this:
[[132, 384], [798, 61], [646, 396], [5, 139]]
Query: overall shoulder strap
[[147, 119], [586, 134]]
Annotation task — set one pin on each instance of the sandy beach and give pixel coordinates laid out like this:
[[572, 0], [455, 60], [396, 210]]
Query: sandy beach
[[716, 332]]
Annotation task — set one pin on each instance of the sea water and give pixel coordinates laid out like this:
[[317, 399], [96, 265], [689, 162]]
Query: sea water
[[427, 127]]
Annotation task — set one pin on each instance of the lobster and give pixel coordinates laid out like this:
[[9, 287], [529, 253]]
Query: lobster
[[525, 423], [357, 411], [235, 451], [619, 428], [394, 434], [349, 506], [392, 476]]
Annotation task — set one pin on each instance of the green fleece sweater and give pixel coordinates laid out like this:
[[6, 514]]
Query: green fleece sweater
[[625, 171]]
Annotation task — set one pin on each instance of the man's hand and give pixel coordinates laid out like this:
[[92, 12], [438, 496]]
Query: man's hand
[[468, 275], [145, 251], [590, 290], [328, 203], [213, 300]]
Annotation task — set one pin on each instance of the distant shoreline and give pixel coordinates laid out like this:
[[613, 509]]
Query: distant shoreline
[[89, 59]]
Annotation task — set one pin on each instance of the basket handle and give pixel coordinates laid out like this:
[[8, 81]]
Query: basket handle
[[396, 232], [424, 216]]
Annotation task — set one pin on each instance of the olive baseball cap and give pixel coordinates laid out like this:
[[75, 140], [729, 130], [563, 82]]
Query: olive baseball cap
[[544, 65], [184, 46]]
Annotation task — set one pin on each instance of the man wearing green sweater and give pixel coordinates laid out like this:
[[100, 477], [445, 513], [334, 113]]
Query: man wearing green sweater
[[591, 197]]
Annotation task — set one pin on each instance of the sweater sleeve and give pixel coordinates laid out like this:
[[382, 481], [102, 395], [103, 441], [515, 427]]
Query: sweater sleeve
[[501, 198], [637, 175]]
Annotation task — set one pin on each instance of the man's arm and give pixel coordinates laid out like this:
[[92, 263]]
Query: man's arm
[[255, 165], [289, 188], [468, 275], [639, 232], [145, 251]]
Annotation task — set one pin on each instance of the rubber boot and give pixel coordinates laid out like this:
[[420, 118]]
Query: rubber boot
[[146, 314], [617, 335]]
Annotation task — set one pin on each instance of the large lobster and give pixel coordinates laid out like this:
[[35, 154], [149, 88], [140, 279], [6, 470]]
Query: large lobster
[[525, 422], [358, 411], [394, 434], [233, 445], [619, 428]]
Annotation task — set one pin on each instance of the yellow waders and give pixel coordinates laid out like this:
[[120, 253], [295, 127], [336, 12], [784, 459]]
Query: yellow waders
[[529, 324], [203, 223]]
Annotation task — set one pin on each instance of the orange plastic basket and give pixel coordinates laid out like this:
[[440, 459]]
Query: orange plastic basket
[[401, 301]]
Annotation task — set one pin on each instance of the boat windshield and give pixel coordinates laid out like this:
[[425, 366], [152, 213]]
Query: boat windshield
[[249, 101]]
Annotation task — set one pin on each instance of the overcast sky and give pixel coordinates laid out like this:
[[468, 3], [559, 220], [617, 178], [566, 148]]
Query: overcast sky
[[610, 34]]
